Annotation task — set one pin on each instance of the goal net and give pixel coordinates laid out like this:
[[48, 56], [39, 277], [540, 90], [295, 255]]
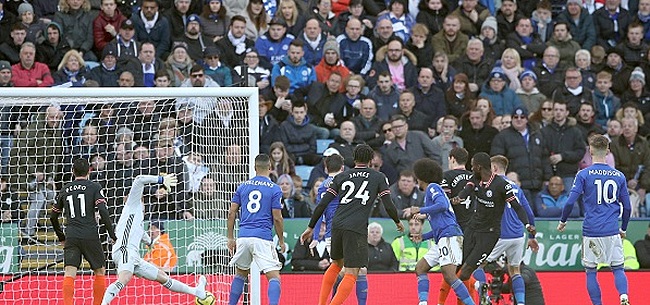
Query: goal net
[[208, 137]]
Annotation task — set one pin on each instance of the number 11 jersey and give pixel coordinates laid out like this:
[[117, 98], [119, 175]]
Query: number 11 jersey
[[257, 198], [78, 200]]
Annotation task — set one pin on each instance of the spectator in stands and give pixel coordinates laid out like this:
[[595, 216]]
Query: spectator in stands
[[72, 69], [195, 170], [447, 139], [492, 45], [76, 20], [214, 20], [368, 125], [638, 93], [10, 49], [29, 73], [420, 45], [633, 48], [620, 71], [526, 42], [168, 128], [257, 75], [273, 45], [474, 64], [549, 71], [458, 97], [293, 205], [583, 62], [405, 194], [146, 65], [356, 50], [161, 252], [35, 163], [606, 104], [581, 23], [471, 16], [450, 41], [614, 129], [346, 142], [394, 59], [282, 163], [5, 76], [177, 17], [257, 20], [347, 105], [299, 136], [511, 65], [204, 203], [478, 134], [179, 64], [586, 121], [611, 22], [587, 160], [542, 21], [401, 20], [51, 50], [432, 14], [416, 119], [106, 25], [7, 21], [528, 93], [523, 145], [143, 120], [162, 204], [563, 41], [330, 62], [10, 210], [216, 70], [408, 146], [307, 258], [598, 56], [125, 43], [429, 99], [356, 10], [289, 12], [572, 93], [293, 65], [380, 254], [235, 44], [642, 248], [383, 33], [322, 99], [151, 26], [193, 36], [106, 74], [313, 38], [632, 156], [551, 200], [281, 99], [409, 250], [504, 100], [126, 79], [386, 96], [322, 11], [162, 79], [507, 18], [313, 194], [564, 143]]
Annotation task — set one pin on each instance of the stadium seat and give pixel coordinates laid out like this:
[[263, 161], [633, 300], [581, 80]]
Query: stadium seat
[[304, 171], [322, 144]]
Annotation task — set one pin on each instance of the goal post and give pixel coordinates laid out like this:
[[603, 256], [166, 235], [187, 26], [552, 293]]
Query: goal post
[[209, 137]]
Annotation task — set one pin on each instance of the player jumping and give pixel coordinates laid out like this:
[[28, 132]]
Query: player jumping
[[604, 190], [444, 230], [80, 198], [130, 233], [261, 209], [359, 187]]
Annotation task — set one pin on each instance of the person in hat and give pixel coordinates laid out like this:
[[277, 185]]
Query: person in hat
[[492, 45], [504, 100], [5, 74], [196, 41], [611, 22], [273, 45], [638, 92], [215, 69], [161, 251], [149, 26], [331, 62], [294, 67], [35, 26], [106, 74], [619, 69], [106, 25], [235, 44], [10, 50], [214, 20], [528, 93], [76, 21], [178, 64], [125, 42], [314, 41], [581, 23], [51, 51]]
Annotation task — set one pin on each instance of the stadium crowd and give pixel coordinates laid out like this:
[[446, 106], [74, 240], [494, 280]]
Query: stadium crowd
[[530, 80]]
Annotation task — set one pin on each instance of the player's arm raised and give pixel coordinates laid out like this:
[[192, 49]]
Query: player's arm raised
[[135, 194], [232, 215]]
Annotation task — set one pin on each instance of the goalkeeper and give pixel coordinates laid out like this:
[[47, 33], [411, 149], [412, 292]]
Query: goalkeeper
[[130, 232]]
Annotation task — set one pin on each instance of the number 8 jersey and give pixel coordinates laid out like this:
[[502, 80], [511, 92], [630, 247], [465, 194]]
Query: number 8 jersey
[[257, 198]]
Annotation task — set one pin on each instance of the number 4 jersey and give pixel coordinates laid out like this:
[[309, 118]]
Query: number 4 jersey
[[257, 198], [78, 199], [357, 189]]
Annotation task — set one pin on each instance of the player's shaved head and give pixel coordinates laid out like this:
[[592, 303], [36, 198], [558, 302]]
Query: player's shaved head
[[598, 145], [262, 163], [363, 154], [427, 170], [333, 163], [80, 167]]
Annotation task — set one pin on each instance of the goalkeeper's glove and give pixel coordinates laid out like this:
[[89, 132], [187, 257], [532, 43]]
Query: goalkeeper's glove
[[169, 180]]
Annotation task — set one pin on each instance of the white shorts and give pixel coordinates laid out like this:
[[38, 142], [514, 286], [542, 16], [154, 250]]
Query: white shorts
[[128, 260], [447, 251], [602, 250], [260, 250], [513, 248]]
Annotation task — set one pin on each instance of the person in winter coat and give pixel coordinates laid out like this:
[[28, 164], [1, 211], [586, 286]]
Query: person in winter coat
[[299, 136], [106, 25], [581, 23], [551, 200], [76, 20], [504, 100]]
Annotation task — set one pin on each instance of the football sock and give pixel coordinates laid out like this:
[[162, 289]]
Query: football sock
[[236, 289], [328, 282], [68, 290], [423, 288], [362, 289], [519, 288], [444, 292], [620, 280], [176, 286], [99, 287], [112, 291], [592, 287], [471, 289], [479, 275], [461, 292], [344, 289], [274, 291]]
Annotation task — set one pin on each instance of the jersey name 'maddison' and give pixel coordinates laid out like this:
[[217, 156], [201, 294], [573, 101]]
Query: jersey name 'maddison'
[[78, 199], [130, 228]]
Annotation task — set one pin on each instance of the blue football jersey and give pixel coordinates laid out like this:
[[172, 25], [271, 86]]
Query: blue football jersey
[[257, 198], [511, 226], [604, 189], [439, 212], [328, 215]]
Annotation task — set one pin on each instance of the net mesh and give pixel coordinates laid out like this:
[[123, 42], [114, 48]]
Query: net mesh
[[205, 141]]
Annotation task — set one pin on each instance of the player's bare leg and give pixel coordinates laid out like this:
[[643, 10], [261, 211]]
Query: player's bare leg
[[345, 288], [328, 280]]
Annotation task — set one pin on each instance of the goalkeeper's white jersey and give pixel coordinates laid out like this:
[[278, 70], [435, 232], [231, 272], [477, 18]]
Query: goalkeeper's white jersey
[[130, 228]]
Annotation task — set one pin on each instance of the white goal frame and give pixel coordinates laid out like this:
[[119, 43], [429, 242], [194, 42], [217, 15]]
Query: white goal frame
[[252, 93]]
